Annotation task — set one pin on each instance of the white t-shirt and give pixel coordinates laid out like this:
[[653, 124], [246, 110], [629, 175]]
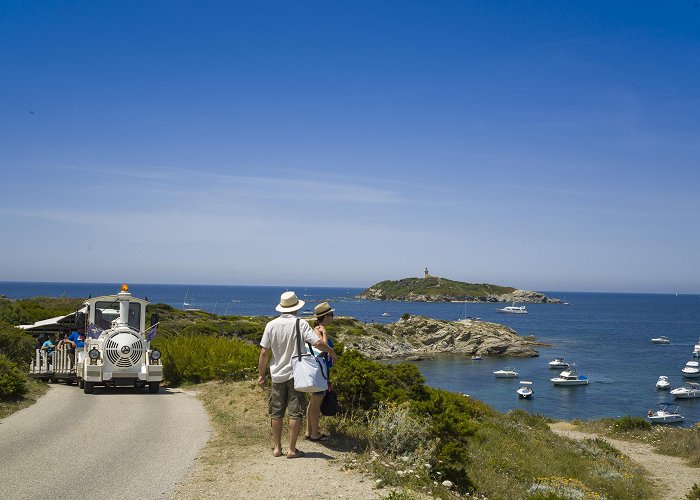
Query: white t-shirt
[[280, 338]]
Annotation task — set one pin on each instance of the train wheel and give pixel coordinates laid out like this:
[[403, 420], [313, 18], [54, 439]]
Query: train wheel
[[153, 387], [89, 387]]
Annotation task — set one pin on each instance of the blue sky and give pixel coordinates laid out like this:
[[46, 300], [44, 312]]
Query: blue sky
[[542, 145]]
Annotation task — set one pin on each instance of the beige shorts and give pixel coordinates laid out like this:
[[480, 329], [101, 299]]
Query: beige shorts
[[283, 397]]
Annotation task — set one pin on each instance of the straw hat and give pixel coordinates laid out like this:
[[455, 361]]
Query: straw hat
[[289, 303], [322, 309]]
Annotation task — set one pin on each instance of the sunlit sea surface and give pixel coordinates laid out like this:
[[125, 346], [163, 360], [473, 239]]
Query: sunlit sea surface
[[607, 335]]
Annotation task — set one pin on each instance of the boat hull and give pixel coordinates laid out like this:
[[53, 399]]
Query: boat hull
[[666, 419], [561, 381]]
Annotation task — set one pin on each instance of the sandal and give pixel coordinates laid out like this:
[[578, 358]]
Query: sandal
[[322, 437], [295, 454]]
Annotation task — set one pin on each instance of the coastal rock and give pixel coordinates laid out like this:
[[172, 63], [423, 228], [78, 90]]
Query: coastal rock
[[435, 289], [418, 337]]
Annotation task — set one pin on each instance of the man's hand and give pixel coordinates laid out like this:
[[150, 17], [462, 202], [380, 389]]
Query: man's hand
[[261, 380]]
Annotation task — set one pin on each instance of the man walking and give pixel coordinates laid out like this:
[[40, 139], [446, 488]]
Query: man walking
[[279, 341]]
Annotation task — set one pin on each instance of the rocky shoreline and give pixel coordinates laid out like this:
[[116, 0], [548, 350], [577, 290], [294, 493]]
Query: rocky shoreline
[[417, 337], [523, 296]]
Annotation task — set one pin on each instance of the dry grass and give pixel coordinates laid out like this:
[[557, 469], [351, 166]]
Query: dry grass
[[36, 390], [238, 414], [673, 441]]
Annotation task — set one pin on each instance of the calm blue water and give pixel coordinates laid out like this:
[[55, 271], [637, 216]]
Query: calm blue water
[[606, 335]]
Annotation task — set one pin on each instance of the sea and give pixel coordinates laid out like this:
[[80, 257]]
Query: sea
[[607, 335]]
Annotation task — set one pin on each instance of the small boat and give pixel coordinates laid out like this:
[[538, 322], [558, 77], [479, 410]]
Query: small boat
[[688, 391], [660, 340], [386, 314], [691, 369], [570, 376], [186, 305], [666, 414], [476, 357], [558, 363], [525, 390], [696, 350], [663, 384], [506, 372], [513, 309]]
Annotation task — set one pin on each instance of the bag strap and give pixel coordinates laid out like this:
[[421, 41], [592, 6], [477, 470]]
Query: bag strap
[[298, 339]]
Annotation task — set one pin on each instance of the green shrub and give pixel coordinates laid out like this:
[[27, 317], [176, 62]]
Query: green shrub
[[37, 308], [198, 358], [11, 312], [13, 382], [16, 344], [694, 493], [363, 384], [628, 423], [405, 316]]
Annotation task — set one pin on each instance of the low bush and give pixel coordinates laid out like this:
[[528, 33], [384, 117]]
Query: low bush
[[363, 384], [628, 423], [396, 430], [694, 493], [17, 345], [13, 382], [37, 308], [198, 358]]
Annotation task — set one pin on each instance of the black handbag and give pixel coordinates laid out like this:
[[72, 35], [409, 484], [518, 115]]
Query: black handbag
[[329, 405]]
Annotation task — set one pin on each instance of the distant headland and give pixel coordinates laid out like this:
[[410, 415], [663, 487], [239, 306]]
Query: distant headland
[[435, 289]]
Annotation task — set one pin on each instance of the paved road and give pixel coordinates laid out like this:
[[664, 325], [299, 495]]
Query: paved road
[[115, 443]]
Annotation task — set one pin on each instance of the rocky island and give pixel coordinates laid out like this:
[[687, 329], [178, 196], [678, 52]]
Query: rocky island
[[436, 289], [415, 337]]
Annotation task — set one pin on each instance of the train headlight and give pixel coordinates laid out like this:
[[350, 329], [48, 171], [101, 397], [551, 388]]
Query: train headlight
[[94, 354], [155, 354]]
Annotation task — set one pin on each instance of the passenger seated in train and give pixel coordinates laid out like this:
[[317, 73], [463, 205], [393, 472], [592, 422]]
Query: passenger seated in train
[[49, 346]]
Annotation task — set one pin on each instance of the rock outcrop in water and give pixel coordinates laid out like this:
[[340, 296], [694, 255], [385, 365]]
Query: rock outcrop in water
[[435, 289], [417, 337]]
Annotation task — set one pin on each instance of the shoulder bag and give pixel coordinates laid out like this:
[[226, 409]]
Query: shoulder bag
[[308, 370], [329, 405]]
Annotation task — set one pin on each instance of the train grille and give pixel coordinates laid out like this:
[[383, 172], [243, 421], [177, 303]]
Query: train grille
[[124, 350]]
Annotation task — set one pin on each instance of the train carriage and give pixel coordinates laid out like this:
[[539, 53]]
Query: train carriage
[[117, 349]]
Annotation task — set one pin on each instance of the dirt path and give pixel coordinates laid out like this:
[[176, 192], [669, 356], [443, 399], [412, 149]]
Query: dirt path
[[671, 475], [238, 463]]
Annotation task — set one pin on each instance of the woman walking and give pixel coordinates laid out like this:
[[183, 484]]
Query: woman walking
[[324, 317]]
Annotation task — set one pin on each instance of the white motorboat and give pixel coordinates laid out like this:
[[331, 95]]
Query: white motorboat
[[660, 340], [663, 384], [513, 309], [558, 363], [666, 414], [696, 350], [570, 376], [688, 391], [691, 369], [476, 357], [506, 372], [525, 390]]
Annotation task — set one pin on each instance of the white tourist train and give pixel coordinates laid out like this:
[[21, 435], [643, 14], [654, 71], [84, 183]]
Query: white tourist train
[[117, 348]]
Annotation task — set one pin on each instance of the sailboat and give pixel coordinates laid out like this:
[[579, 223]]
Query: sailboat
[[186, 305]]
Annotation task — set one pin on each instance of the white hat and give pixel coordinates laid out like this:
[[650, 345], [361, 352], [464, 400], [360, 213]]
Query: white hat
[[289, 303]]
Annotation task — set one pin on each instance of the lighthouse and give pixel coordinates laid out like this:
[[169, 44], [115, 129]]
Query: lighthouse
[[427, 274]]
